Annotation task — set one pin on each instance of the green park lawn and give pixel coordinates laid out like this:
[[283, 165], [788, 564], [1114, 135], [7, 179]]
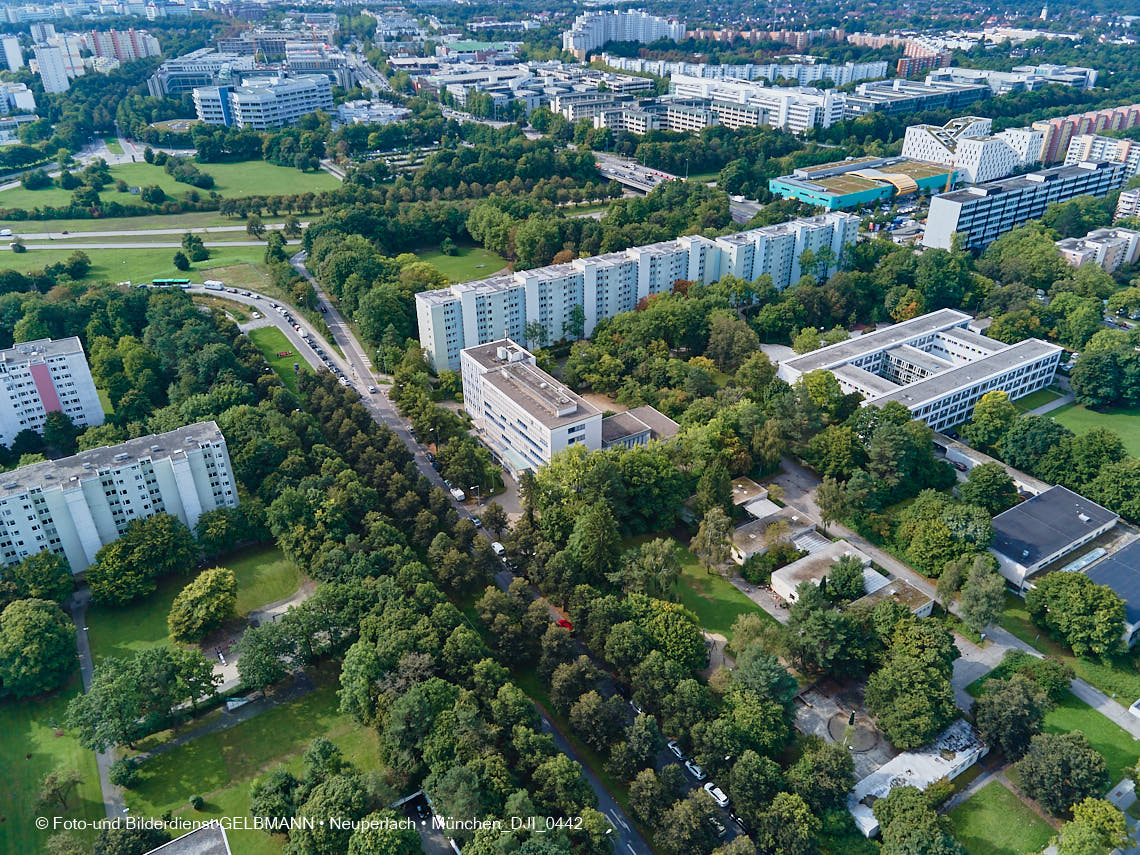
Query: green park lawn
[[231, 180], [113, 145], [271, 341], [1118, 678], [1119, 748], [142, 265], [1036, 399], [469, 262], [29, 749], [994, 821], [264, 575], [220, 767], [1080, 419], [713, 599]]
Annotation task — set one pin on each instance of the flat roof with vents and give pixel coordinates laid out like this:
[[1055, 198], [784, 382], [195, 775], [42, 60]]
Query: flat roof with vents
[[1046, 524]]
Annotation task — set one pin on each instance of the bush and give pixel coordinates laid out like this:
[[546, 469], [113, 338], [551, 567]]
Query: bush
[[36, 180], [758, 568], [197, 802], [124, 772]]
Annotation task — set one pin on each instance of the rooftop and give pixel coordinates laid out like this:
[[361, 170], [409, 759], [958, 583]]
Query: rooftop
[[1121, 572], [660, 424], [745, 490], [620, 426], [204, 840], [88, 464], [1045, 524], [881, 339], [1030, 182], [748, 538], [813, 567], [865, 379], [30, 351], [899, 591]]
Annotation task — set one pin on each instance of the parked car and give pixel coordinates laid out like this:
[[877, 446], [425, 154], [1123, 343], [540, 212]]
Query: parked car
[[961, 467], [565, 624], [718, 826], [694, 770], [717, 794], [498, 548], [675, 748], [475, 521], [372, 390]]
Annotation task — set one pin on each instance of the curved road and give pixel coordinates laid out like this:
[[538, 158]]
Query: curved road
[[355, 365]]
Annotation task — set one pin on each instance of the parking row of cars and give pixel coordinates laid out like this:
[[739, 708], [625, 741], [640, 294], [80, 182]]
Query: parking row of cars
[[715, 793]]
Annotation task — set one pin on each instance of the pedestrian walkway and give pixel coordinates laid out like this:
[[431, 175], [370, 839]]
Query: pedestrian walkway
[[1063, 401]]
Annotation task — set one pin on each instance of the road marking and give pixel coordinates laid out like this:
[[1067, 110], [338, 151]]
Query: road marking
[[617, 818], [629, 846]]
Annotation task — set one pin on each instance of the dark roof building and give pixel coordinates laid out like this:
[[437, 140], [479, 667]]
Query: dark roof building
[[637, 427], [1043, 529], [1121, 572], [205, 840]]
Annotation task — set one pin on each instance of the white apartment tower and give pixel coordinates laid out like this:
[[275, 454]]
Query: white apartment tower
[[41, 377], [77, 505], [566, 301], [592, 30], [52, 68], [1084, 147], [13, 53]]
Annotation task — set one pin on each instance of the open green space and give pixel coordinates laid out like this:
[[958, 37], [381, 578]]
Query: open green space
[[1118, 677], [142, 265], [264, 575], [469, 262], [190, 220], [715, 601], [271, 341], [994, 821], [1120, 750], [1036, 399], [33, 743], [220, 767], [113, 145], [1080, 419], [105, 401], [231, 180]]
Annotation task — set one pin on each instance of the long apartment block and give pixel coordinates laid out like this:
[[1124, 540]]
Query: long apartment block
[[44, 376], [555, 298], [77, 505], [933, 365]]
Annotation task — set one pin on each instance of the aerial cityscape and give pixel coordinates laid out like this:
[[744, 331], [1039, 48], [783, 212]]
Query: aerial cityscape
[[599, 428]]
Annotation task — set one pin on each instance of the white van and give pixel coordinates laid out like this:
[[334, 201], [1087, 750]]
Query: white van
[[500, 550]]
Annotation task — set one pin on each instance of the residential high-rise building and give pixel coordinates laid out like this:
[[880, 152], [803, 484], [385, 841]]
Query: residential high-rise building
[[1109, 249], [123, 45], [796, 109], [565, 301], [968, 145], [41, 377], [1092, 147], [52, 68], [13, 53], [264, 102], [1058, 132], [71, 52], [16, 98], [592, 30], [41, 32], [77, 505], [984, 212], [1128, 205]]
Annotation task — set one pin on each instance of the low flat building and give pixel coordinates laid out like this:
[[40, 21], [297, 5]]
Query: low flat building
[[933, 365], [76, 505], [902, 592], [862, 181], [897, 96], [637, 427], [752, 537], [817, 566], [954, 751], [1023, 78], [1041, 530], [983, 213], [205, 840], [523, 414], [1120, 571]]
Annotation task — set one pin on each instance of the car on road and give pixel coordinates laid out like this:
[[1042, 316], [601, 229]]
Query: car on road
[[372, 390], [498, 548], [430, 457], [961, 467], [695, 770], [475, 521], [717, 794], [565, 624], [718, 826], [740, 822], [255, 315], [675, 748]]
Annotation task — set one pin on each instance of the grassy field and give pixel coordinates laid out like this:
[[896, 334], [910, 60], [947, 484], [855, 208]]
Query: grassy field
[[994, 822], [1118, 747], [714, 600], [264, 575], [271, 341], [113, 145], [142, 265], [191, 220], [231, 180], [1036, 399], [1079, 419], [29, 749], [105, 400], [238, 311], [469, 262], [1119, 678], [220, 767]]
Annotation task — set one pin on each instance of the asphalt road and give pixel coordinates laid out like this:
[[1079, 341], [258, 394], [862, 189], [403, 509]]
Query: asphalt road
[[222, 244], [140, 233]]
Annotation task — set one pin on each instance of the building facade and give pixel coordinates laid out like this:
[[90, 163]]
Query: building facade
[[969, 145], [1108, 249], [41, 377], [1023, 78], [77, 505], [13, 53], [565, 301], [592, 30], [932, 365], [986, 211], [123, 45], [862, 181], [204, 67], [803, 73], [796, 109], [264, 103], [1058, 132], [523, 414], [1084, 147], [909, 96], [52, 68]]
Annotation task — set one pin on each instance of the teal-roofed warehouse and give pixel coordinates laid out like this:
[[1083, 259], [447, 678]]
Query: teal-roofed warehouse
[[862, 181]]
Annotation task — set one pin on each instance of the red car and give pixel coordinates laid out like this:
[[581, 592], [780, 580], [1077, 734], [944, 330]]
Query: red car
[[565, 624]]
